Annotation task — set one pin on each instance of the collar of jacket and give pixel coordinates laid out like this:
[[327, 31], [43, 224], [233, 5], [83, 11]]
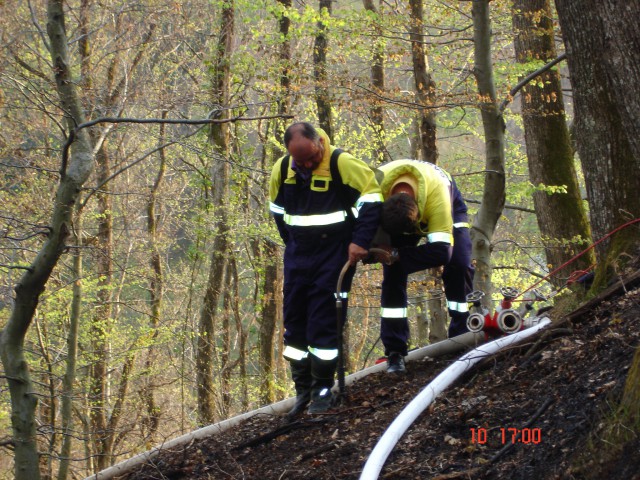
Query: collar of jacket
[[324, 168]]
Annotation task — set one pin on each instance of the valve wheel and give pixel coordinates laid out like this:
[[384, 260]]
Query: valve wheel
[[475, 296], [509, 292], [539, 296]]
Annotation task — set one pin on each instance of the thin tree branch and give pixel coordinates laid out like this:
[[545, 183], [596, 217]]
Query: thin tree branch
[[509, 207], [202, 121], [16, 267], [521, 84]]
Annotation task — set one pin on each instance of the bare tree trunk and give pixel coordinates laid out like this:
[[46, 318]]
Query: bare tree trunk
[[66, 403], [110, 440], [156, 287], [219, 138], [271, 307], [437, 314], [561, 216], [358, 346], [109, 101], [100, 329], [323, 99], [602, 40], [47, 405], [207, 331], [242, 335], [269, 251], [378, 87], [74, 172], [424, 85], [225, 343], [493, 197], [284, 60], [602, 43]]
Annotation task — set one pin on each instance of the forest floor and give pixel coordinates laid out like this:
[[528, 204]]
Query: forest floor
[[560, 387]]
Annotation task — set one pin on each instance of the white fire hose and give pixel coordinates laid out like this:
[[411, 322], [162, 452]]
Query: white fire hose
[[404, 420]]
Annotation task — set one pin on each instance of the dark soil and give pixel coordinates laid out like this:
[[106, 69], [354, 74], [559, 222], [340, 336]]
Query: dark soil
[[560, 387]]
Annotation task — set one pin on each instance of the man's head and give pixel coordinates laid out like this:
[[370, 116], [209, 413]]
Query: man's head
[[305, 145], [400, 214]]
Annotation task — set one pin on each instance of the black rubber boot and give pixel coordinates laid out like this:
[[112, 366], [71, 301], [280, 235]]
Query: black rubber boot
[[301, 374], [395, 363], [322, 372]]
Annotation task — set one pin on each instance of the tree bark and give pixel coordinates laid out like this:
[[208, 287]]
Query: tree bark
[[603, 53], [602, 40], [66, 403], [562, 219], [156, 289], [323, 99], [493, 196], [378, 87], [74, 172], [219, 138], [271, 308], [100, 330], [424, 85], [270, 252]]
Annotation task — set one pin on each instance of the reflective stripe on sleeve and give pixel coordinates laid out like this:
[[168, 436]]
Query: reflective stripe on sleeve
[[293, 353], [276, 208], [368, 198], [344, 295], [458, 306], [387, 312], [314, 220], [324, 354], [439, 237], [461, 225]]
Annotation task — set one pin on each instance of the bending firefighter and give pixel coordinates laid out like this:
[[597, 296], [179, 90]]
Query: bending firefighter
[[421, 200], [326, 205]]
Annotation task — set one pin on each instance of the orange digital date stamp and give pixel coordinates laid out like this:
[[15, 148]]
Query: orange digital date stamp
[[525, 436]]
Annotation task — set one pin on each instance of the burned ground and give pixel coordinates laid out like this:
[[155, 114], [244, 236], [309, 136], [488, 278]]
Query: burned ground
[[559, 388]]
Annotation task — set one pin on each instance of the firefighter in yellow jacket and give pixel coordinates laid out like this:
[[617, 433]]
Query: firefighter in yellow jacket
[[422, 201], [326, 205]]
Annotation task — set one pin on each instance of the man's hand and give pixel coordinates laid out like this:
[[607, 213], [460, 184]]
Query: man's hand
[[356, 253]]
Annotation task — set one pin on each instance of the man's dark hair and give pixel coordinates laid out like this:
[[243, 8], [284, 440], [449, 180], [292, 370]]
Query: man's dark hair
[[399, 212], [303, 128]]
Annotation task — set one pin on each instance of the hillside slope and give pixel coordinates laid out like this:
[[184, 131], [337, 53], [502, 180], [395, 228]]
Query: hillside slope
[[558, 387]]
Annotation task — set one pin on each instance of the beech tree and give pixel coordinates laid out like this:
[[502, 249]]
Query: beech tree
[[424, 84], [75, 170], [322, 96], [493, 197], [559, 210], [221, 251], [377, 82], [602, 40]]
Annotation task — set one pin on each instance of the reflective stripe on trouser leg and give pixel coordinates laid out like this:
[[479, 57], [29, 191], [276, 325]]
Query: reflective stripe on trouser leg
[[394, 326], [311, 275], [457, 278], [294, 354]]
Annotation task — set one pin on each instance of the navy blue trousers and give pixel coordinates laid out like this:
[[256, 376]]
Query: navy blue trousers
[[311, 270], [457, 278]]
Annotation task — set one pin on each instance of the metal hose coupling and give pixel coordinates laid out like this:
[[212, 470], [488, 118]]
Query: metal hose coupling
[[475, 322], [509, 321]]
